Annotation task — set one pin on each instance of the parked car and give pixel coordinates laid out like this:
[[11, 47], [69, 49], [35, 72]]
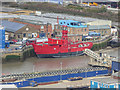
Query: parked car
[[14, 40]]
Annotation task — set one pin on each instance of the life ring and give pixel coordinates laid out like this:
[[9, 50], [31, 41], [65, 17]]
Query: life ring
[[35, 35]]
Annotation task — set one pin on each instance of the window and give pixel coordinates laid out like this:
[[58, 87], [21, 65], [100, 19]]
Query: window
[[29, 34], [102, 32], [67, 23], [72, 24], [78, 24], [85, 30], [42, 31], [61, 28], [56, 27], [18, 36], [24, 35], [75, 24], [82, 29], [68, 29], [42, 27]]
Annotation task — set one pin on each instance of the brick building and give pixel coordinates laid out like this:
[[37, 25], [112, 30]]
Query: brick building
[[42, 28], [102, 29], [76, 30]]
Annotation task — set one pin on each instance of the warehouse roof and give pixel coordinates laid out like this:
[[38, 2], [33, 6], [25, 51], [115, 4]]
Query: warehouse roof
[[97, 27], [11, 26], [107, 80]]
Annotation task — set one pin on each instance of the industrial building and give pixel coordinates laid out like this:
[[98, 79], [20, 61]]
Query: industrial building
[[40, 27], [15, 30], [102, 29], [10, 28]]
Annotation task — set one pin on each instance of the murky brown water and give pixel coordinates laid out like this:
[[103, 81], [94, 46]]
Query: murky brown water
[[47, 64]]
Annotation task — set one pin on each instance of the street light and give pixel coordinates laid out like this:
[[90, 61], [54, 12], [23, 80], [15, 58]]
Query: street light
[[61, 71]]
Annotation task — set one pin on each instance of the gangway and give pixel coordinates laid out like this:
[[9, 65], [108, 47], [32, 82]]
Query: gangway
[[98, 59]]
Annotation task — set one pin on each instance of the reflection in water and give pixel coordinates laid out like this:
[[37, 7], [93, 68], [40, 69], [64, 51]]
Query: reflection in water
[[47, 64]]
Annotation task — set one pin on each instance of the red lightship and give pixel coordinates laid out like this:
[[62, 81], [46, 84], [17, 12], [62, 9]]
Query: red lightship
[[60, 47]]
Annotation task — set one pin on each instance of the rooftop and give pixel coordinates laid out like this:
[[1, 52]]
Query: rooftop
[[11, 26], [107, 80], [97, 27]]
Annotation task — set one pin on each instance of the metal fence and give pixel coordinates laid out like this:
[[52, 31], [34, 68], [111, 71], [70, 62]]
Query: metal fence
[[56, 75]]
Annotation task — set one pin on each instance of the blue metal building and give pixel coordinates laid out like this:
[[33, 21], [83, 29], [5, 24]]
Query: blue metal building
[[2, 37]]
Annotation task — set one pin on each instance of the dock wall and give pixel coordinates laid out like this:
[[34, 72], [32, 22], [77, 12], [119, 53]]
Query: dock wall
[[18, 55], [60, 77]]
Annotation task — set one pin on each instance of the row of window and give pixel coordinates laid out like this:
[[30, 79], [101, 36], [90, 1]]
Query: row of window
[[73, 23], [102, 31]]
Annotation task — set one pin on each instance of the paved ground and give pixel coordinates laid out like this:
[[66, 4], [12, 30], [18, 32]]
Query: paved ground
[[65, 83]]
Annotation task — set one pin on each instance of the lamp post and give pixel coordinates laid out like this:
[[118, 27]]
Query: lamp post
[[61, 71]]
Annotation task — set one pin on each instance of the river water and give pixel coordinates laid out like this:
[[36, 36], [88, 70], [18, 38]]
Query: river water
[[48, 64]]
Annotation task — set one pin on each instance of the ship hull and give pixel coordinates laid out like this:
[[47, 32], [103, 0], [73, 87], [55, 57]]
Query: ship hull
[[60, 54]]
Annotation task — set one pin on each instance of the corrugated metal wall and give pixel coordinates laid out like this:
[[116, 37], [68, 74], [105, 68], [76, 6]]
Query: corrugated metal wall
[[58, 77], [115, 66]]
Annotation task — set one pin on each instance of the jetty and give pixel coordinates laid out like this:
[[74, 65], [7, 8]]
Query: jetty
[[99, 59]]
